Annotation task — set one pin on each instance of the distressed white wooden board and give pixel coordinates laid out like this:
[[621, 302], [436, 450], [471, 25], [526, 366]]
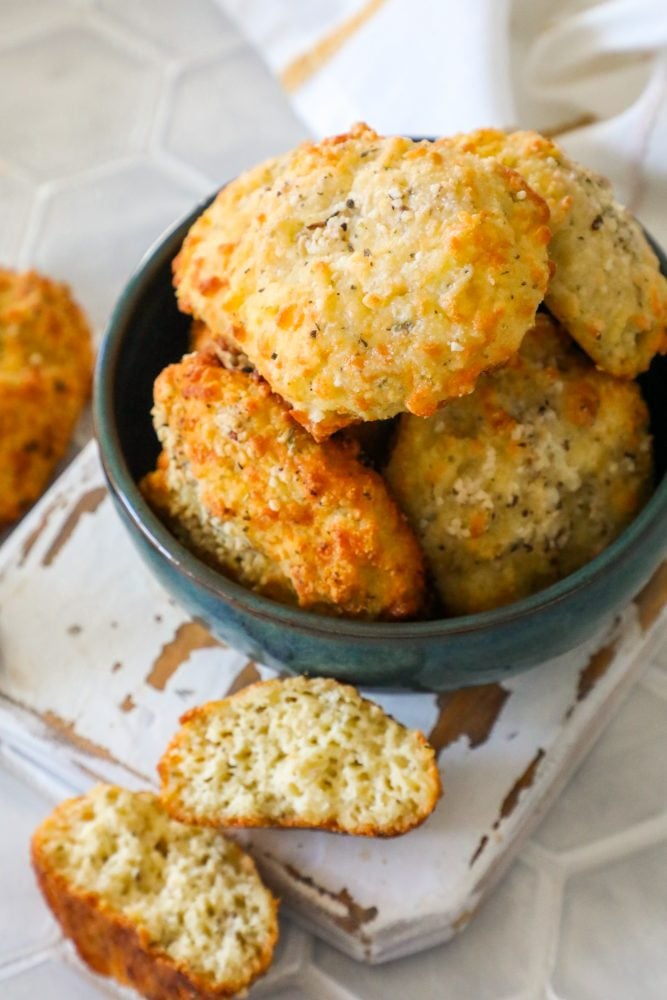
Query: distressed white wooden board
[[93, 647]]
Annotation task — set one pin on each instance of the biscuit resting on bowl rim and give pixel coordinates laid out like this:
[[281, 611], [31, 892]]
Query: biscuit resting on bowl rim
[[252, 494], [607, 288], [364, 276], [528, 478]]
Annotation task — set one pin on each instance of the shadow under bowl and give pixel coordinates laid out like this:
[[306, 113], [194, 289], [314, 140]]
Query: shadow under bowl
[[146, 332]]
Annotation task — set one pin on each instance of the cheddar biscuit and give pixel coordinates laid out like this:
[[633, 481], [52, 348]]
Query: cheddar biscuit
[[253, 494], [304, 752], [607, 288], [364, 276], [172, 910], [526, 479], [45, 374]]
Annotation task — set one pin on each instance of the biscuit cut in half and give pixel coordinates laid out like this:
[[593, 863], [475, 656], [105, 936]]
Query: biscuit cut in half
[[528, 478], [171, 910], [246, 488], [606, 288], [366, 275], [45, 373], [301, 752]]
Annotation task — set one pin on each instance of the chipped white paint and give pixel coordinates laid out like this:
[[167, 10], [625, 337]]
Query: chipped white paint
[[70, 573]]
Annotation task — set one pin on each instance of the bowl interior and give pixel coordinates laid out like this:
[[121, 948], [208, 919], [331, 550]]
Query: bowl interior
[[147, 332]]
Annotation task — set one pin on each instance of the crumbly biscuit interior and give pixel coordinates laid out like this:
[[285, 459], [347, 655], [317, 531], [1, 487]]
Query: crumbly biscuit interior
[[195, 893], [308, 750]]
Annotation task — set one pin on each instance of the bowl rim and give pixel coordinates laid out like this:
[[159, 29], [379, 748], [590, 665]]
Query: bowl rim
[[158, 536]]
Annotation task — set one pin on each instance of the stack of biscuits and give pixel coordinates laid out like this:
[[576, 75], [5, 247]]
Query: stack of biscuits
[[412, 385]]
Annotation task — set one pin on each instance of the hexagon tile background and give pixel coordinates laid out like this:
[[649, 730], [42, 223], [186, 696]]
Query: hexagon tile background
[[116, 117]]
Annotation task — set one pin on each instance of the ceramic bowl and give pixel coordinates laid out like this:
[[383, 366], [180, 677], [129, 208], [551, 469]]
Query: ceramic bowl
[[146, 332]]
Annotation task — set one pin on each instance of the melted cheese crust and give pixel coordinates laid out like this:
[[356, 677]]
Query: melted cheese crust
[[528, 478], [46, 364], [249, 490], [364, 276], [606, 288]]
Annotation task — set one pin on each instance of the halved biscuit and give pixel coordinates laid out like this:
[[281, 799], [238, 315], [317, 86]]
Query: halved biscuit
[[299, 752], [172, 910]]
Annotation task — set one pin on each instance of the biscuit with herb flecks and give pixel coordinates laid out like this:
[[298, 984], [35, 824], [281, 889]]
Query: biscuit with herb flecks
[[364, 276], [172, 910], [253, 494], [300, 752], [606, 288], [526, 479]]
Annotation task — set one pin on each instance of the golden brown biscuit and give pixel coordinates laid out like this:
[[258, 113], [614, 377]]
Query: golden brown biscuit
[[45, 373], [364, 276], [39, 409], [526, 479], [372, 437], [607, 287], [299, 752], [172, 910], [252, 493]]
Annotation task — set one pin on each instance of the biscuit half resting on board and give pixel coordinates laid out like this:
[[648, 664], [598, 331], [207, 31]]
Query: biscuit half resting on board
[[299, 753], [172, 910]]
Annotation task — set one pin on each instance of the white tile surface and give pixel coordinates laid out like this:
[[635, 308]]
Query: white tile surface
[[25, 924], [613, 938], [223, 115], [16, 195], [622, 782], [177, 28], [78, 99], [92, 231], [51, 979]]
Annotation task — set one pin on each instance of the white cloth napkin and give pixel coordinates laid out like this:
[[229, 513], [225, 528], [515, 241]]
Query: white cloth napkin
[[596, 73]]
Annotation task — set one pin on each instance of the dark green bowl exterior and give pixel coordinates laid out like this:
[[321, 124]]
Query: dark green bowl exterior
[[145, 333]]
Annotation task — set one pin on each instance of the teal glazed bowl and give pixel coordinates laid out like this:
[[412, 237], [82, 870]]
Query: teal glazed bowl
[[147, 332]]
